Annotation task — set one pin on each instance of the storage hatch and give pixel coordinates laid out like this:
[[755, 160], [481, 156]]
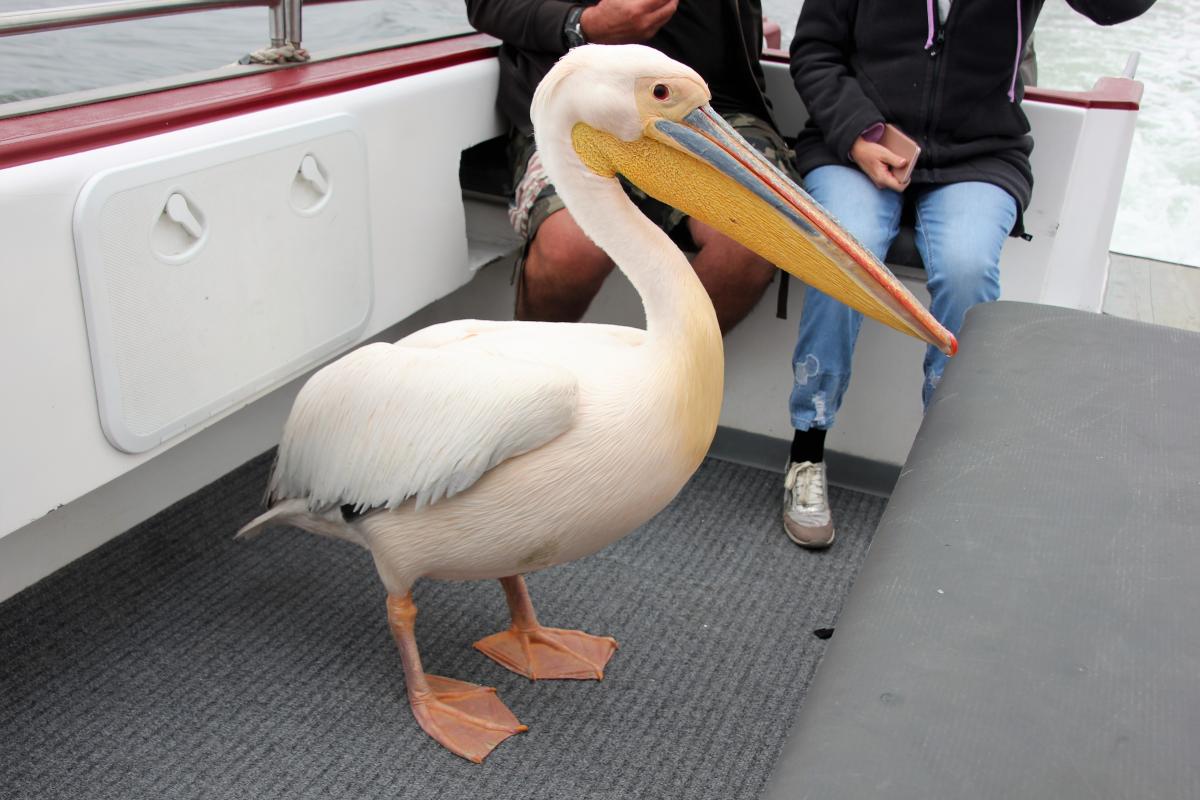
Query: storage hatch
[[215, 274]]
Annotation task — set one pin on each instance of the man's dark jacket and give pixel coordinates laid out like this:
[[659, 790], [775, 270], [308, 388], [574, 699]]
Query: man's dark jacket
[[532, 33], [859, 62]]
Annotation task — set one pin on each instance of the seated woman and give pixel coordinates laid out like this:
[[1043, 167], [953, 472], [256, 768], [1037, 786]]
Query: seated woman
[[949, 78]]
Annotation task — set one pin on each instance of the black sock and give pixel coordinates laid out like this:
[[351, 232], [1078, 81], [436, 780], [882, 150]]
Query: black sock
[[809, 445]]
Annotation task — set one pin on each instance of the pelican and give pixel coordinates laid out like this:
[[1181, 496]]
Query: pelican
[[477, 449]]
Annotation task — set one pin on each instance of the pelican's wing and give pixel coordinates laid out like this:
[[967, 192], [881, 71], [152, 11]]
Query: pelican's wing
[[388, 422]]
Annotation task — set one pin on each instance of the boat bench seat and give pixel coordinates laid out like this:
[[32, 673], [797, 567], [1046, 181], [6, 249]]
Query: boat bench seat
[[1024, 624]]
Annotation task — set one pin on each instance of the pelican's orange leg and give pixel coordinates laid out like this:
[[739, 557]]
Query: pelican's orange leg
[[536, 652], [468, 719]]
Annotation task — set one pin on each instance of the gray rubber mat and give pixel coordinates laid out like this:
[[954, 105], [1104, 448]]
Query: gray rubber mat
[[1026, 624], [177, 663]]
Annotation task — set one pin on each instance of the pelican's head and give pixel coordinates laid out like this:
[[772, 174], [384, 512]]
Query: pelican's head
[[631, 110]]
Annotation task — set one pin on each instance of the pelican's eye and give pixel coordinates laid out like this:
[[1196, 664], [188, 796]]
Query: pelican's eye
[[661, 91]]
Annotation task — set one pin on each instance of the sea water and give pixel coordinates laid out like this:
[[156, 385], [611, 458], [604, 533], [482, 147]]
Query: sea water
[[1159, 214]]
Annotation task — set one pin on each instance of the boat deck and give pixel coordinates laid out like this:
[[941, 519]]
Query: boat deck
[[1153, 291], [177, 662]]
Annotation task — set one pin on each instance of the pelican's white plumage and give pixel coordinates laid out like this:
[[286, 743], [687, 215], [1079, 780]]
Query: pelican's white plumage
[[360, 432], [569, 414], [490, 449]]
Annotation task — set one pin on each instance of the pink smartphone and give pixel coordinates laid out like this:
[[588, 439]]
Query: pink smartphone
[[895, 140]]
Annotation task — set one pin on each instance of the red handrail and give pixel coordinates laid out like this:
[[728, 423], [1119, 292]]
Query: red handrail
[[63, 131]]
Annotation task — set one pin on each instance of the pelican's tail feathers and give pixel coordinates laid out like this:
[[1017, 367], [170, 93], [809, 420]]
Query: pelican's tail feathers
[[295, 512]]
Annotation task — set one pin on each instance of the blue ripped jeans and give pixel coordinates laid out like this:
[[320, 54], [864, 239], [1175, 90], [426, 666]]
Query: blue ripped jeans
[[960, 229]]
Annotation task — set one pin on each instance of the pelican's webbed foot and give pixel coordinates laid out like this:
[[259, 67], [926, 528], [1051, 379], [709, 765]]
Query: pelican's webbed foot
[[543, 653], [467, 719], [537, 652]]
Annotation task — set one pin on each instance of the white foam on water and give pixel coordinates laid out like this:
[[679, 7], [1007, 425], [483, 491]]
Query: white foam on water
[[1159, 213]]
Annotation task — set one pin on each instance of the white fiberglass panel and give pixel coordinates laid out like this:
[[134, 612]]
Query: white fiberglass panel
[[211, 275]]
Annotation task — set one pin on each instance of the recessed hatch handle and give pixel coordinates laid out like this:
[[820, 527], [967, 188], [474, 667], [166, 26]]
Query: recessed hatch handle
[[181, 213], [311, 171]]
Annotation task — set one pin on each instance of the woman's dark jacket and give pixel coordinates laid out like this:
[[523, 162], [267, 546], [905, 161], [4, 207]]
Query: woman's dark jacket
[[721, 39], [859, 62]]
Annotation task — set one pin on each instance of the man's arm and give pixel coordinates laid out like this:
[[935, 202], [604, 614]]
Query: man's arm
[[531, 25], [537, 25], [626, 21]]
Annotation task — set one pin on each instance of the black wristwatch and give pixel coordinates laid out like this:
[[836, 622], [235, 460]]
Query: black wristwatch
[[572, 29]]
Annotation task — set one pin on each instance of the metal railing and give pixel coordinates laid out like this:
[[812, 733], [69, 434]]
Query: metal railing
[[284, 15]]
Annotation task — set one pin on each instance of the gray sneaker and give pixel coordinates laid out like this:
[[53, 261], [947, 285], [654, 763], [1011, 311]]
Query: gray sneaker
[[806, 518]]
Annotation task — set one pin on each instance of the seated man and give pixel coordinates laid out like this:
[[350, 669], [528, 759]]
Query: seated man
[[948, 75], [722, 40]]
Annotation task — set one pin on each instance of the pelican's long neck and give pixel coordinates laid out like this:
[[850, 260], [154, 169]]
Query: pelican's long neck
[[681, 326], [674, 300]]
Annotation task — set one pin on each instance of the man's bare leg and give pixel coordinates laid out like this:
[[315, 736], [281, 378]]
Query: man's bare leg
[[734, 276], [563, 272]]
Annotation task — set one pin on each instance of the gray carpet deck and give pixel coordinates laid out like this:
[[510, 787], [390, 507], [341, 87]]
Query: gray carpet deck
[[175, 662]]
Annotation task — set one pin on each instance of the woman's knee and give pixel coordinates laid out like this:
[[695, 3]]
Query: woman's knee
[[961, 230], [964, 276]]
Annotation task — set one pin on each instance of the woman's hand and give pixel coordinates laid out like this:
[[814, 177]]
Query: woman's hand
[[877, 162]]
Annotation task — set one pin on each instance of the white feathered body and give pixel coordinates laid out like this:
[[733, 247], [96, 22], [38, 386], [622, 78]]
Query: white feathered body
[[625, 425]]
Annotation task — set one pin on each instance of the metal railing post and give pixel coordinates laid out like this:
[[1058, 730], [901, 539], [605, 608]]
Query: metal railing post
[[278, 25], [292, 12], [1131, 65]]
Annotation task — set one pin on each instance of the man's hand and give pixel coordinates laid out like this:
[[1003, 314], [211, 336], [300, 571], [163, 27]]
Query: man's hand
[[625, 21], [877, 162]]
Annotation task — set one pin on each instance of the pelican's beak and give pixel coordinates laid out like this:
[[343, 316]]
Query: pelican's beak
[[703, 167]]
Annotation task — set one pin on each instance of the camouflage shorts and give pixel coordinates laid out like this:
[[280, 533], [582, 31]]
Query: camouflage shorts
[[535, 199]]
